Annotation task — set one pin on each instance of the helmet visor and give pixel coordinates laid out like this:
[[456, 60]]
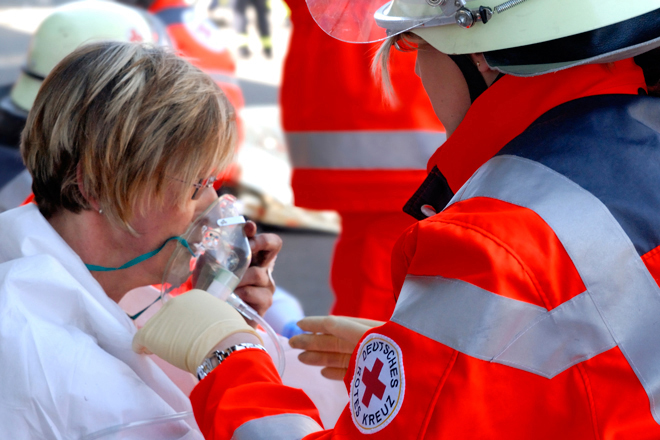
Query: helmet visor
[[368, 21]]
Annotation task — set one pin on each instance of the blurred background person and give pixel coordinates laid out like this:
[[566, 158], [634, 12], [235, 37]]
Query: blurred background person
[[262, 10], [353, 152], [58, 35]]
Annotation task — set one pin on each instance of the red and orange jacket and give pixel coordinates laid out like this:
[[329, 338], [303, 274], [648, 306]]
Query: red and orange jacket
[[528, 307], [351, 151]]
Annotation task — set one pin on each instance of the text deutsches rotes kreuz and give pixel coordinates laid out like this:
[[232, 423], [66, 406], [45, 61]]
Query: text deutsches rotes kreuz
[[378, 385]]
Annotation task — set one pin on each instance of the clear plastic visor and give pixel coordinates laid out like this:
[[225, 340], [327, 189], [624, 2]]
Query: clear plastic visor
[[368, 21]]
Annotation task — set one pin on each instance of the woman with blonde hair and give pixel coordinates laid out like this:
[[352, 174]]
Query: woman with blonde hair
[[123, 143], [527, 294]]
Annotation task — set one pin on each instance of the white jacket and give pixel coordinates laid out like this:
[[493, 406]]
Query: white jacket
[[66, 364]]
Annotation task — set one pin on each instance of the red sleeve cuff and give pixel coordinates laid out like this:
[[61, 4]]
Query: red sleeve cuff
[[244, 387]]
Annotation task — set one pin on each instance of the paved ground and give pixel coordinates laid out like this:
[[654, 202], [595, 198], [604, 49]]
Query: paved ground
[[302, 267]]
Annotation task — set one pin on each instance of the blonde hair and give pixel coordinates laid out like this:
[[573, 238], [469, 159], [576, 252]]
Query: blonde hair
[[381, 62], [116, 122]]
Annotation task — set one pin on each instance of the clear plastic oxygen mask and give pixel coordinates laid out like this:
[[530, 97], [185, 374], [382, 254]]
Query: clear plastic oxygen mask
[[213, 256]]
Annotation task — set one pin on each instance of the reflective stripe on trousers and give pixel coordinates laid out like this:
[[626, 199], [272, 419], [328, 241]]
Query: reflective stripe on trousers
[[224, 78], [390, 150], [279, 427], [621, 306]]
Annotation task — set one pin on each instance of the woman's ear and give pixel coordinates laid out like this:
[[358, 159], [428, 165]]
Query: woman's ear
[[480, 61]]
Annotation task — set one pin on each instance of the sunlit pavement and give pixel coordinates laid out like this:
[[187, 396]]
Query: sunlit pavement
[[302, 267]]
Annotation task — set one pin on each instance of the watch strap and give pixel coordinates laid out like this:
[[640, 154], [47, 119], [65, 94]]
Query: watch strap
[[218, 356]]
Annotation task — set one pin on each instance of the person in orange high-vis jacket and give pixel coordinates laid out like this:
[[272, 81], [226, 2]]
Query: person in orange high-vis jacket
[[527, 306], [353, 153], [197, 39]]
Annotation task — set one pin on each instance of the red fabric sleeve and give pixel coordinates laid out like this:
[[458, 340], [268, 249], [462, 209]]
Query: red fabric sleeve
[[245, 387]]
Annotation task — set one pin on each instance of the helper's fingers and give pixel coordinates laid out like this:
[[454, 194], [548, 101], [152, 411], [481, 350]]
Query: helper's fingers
[[322, 359], [371, 323], [334, 373], [321, 342], [344, 328]]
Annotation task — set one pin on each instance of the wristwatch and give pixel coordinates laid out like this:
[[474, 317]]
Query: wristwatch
[[217, 357]]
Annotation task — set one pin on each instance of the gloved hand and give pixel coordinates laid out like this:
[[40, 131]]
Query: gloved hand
[[185, 330], [331, 343]]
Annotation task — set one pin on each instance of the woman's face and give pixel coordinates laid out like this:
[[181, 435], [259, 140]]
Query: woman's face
[[444, 84], [156, 224]]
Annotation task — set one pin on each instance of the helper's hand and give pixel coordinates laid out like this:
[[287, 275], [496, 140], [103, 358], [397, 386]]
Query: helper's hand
[[331, 343], [188, 327], [257, 286]]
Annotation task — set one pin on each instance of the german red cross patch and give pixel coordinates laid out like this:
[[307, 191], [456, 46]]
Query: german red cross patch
[[378, 384]]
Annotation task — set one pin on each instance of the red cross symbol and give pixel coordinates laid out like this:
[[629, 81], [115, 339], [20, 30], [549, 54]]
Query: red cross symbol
[[135, 37], [373, 385]]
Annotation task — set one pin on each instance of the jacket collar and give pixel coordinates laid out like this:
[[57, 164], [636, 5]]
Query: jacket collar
[[503, 112]]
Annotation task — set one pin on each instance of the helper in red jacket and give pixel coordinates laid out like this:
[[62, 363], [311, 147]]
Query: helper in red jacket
[[527, 307]]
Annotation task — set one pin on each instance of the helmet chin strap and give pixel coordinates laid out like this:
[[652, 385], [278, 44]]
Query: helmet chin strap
[[476, 83]]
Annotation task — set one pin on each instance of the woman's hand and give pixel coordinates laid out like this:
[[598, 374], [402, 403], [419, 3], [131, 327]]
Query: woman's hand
[[331, 342], [257, 286]]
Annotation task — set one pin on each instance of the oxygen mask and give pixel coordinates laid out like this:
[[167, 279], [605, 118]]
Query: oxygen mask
[[213, 255]]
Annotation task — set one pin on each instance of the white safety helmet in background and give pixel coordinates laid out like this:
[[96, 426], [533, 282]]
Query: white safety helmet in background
[[520, 37], [70, 26]]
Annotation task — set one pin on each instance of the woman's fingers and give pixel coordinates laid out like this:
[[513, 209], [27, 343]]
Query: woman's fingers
[[265, 248], [259, 298], [257, 289], [256, 276], [250, 229]]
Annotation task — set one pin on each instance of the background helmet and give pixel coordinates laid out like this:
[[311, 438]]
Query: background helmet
[[68, 27], [521, 37]]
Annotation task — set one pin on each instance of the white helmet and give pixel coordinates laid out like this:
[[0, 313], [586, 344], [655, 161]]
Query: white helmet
[[521, 37], [68, 27]]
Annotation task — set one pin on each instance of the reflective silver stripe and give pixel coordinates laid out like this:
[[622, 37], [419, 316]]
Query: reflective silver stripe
[[615, 276], [279, 427], [617, 281], [503, 330], [363, 149], [222, 78]]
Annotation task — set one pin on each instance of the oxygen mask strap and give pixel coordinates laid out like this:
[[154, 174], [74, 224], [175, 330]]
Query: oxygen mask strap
[[141, 258]]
